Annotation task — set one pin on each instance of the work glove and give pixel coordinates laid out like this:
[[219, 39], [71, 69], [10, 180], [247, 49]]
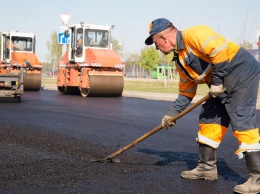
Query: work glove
[[166, 124], [215, 91]]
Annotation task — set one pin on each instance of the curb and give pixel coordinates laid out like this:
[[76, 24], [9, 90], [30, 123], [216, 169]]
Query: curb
[[148, 95]]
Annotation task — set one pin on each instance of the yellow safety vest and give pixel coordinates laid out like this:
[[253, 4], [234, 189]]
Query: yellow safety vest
[[197, 45]]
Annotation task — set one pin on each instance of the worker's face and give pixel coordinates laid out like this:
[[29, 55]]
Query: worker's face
[[163, 44]]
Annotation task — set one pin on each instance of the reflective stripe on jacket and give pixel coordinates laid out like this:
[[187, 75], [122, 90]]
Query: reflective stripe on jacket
[[203, 56]]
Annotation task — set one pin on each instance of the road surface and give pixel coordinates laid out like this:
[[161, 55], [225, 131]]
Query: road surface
[[48, 140]]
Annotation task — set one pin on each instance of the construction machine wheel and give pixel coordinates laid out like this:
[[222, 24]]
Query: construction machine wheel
[[32, 82], [68, 90], [104, 85], [62, 89], [84, 92]]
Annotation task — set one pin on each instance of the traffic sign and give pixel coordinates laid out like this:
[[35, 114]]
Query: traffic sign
[[65, 18], [62, 39]]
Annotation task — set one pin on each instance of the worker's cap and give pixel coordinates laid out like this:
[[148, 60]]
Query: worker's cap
[[157, 26]]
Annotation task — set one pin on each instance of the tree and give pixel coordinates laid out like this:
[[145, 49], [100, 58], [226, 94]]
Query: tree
[[55, 49], [131, 63], [47, 67], [117, 46], [166, 59], [149, 58], [246, 44]]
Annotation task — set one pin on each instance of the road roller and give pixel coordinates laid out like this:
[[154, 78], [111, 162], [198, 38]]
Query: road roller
[[90, 67], [18, 49], [11, 82]]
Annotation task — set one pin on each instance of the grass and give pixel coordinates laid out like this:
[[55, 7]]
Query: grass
[[49, 80], [158, 86]]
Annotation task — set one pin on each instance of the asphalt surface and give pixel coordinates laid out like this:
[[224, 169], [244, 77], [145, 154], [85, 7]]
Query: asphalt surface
[[48, 141]]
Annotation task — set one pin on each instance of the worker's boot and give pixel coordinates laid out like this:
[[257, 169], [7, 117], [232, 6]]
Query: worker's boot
[[252, 185], [207, 168]]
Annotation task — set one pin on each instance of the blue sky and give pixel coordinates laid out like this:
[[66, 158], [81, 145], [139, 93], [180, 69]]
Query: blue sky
[[234, 19]]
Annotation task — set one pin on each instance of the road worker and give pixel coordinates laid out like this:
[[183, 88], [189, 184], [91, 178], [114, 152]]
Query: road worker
[[79, 49], [14, 46], [203, 56]]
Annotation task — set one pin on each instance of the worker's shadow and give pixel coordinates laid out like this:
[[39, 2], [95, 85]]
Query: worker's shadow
[[191, 161]]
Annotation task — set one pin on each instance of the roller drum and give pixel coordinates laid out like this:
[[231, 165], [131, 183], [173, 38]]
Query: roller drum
[[104, 86], [32, 82]]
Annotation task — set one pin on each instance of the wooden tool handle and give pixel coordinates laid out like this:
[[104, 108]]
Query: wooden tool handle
[[158, 128]]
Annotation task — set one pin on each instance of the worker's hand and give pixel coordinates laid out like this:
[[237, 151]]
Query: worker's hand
[[166, 124], [215, 91]]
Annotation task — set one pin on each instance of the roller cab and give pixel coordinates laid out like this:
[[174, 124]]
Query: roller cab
[[90, 67]]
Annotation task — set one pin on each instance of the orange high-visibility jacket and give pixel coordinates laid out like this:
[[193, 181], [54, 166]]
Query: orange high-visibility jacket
[[203, 57]]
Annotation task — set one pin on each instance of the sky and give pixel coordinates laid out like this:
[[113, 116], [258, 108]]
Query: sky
[[234, 19]]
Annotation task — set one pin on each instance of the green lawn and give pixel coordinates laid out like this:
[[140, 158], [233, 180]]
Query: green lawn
[[49, 80], [158, 86]]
